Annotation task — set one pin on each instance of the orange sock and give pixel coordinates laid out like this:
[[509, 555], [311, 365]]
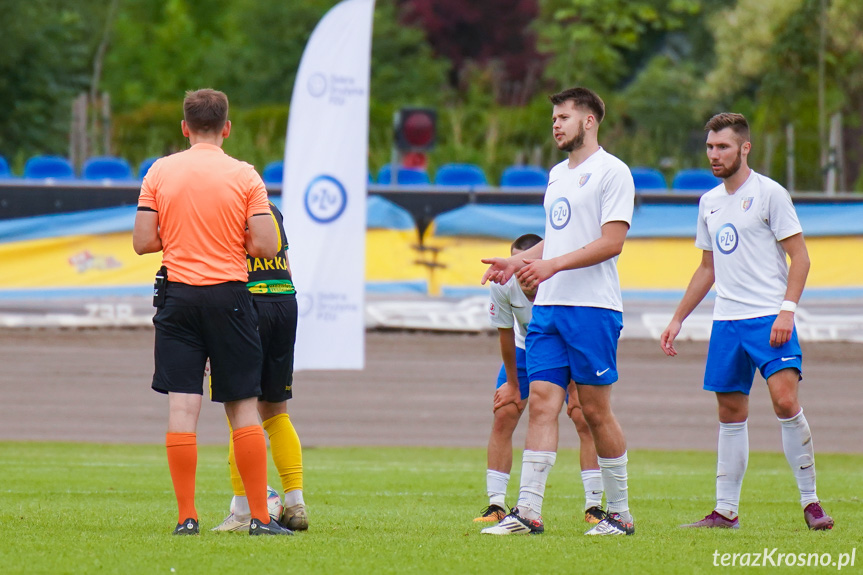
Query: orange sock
[[182, 451], [250, 452]]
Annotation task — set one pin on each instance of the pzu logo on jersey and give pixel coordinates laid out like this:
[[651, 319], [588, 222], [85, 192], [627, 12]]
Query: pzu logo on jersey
[[726, 239]]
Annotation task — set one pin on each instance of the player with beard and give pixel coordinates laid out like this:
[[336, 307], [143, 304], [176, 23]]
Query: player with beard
[[577, 314], [746, 227], [510, 310]]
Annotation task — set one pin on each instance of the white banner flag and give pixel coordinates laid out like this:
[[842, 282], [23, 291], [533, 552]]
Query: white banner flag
[[324, 188]]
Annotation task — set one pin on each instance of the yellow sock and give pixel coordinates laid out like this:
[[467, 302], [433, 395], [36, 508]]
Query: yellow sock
[[287, 451], [236, 480]]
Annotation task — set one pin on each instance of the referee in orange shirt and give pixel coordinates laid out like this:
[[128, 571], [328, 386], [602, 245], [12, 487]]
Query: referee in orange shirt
[[204, 210]]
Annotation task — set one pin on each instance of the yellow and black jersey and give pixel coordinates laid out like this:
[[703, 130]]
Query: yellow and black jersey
[[270, 277]]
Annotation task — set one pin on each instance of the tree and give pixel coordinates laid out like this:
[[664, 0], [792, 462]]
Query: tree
[[488, 33], [845, 22], [45, 52], [600, 43], [776, 79]]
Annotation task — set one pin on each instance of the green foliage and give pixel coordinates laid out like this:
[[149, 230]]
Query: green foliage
[[593, 40], [45, 48], [663, 67], [639, 57], [662, 115], [110, 509]]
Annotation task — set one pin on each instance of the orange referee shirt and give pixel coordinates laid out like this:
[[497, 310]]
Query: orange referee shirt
[[203, 197]]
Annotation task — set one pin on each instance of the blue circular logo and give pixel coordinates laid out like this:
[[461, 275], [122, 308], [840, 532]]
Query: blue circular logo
[[325, 199], [305, 303], [558, 215], [726, 239], [317, 85]]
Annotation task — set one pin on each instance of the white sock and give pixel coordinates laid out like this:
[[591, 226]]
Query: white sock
[[294, 497], [240, 507], [732, 459], [592, 480], [535, 468], [800, 453], [614, 481], [496, 482]]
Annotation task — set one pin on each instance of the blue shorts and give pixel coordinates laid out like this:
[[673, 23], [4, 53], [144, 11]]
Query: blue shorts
[[573, 343], [521, 367], [737, 347]]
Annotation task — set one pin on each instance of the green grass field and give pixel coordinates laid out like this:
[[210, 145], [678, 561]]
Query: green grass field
[[82, 508]]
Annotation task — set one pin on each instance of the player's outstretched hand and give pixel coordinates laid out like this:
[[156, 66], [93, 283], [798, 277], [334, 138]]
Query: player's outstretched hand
[[499, 270], [666, 340], [535, 272], [506, 394]]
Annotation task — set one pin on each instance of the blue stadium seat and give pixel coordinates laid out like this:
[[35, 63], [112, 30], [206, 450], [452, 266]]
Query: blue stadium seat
[[649, 180], [106, 168], [274, 173], [524, 177], [460, 175], [407, 176], [695, 180], [145, 166], [5, 172], [44, 167]]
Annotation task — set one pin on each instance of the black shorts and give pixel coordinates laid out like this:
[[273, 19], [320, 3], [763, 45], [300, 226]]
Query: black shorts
[[277, 324], [217, 321]]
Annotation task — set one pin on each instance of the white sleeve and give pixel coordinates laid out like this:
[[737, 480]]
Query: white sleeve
[[703, 240], [618, 195], [499, 306], [781, 215]]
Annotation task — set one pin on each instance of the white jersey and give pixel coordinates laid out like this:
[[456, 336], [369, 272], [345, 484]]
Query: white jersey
[[509, 308], [578, 202], [743, 231]]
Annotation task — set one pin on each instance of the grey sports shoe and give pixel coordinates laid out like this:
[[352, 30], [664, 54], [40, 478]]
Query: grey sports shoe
[[233, 522], [295, 517], [256, 527]]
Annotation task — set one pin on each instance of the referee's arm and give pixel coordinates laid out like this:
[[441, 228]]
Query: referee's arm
[[145, 233], [262, 236]]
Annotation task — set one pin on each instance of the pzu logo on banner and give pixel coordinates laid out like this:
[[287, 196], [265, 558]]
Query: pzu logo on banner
[[325, 199]]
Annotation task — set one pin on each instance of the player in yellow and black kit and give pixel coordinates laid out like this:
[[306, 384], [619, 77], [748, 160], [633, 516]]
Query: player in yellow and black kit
[[276, 303]]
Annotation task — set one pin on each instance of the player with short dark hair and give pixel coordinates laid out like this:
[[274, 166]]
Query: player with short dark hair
[[747, 226], [510, 310], [204, 210], [577, 315]]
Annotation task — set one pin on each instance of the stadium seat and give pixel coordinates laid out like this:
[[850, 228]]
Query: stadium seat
[[406, 176], [460, 175], [649, 180], [145, 166], [106, 168], [695, 180], [273, 172], [5, 172], [49, 167], [524, 177]]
